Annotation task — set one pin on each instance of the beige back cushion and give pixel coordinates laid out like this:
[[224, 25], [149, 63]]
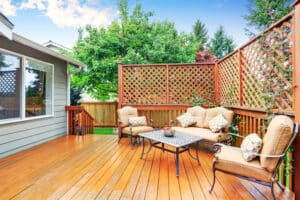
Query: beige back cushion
[[124, 114], [199, 114], [278, 135], [213, 112]]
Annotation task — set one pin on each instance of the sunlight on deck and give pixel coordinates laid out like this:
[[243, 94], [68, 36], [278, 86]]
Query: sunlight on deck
[[97, 167]]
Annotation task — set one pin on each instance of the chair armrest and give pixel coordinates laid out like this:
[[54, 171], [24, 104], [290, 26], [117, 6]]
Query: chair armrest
[[220, 145], [217, 147], [237, 135], [269, 156]]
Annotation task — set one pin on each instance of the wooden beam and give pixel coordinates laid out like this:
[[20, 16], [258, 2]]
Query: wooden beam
[[296, 80]]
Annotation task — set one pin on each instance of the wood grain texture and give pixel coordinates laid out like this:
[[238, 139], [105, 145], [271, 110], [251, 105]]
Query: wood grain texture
[[97, 167]]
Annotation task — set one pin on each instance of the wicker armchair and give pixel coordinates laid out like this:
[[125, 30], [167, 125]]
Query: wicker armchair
[[280, 135], [127, 129]]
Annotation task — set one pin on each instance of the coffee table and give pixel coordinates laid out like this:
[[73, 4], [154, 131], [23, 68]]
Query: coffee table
[[181, 142]]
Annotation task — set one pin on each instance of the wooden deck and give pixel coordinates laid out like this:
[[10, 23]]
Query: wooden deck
[[97, 167]]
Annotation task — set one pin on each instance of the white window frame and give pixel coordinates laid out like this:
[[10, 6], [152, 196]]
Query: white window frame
[[23, 90]]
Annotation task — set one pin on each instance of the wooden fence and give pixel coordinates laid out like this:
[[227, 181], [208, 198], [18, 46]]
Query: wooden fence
[[104, 113]]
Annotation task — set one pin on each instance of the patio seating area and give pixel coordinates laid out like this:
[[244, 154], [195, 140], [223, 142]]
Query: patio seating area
[[97, 167]]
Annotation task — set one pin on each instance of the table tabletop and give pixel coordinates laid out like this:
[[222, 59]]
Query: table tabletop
[[178, 140]]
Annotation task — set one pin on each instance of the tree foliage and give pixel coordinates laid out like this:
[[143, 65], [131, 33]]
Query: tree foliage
[[221, 44], [200, 33], [263, 13], [135, 39]]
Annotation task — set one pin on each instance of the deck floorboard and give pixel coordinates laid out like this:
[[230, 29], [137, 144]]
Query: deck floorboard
[[98, 167]]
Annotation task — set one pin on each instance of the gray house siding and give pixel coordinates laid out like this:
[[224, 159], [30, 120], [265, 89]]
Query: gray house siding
[[22, 135]]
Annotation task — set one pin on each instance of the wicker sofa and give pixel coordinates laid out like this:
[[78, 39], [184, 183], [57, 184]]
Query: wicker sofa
[[201, 127]]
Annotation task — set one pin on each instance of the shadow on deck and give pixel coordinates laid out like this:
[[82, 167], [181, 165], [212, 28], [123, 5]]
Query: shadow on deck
[[97, 167]]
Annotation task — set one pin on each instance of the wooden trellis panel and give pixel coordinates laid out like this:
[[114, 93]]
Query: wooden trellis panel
[[268, 70], [166, 84], [187, 79], [253, 76], [259, 75], [145, 84], [229, 81]]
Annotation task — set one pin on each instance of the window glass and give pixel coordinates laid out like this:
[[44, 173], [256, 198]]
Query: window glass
[[38, 85], [10, 86]]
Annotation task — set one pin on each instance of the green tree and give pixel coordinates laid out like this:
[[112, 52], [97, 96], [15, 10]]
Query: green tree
[[200, 33], [263, 13], [221, 44], [136, 39]]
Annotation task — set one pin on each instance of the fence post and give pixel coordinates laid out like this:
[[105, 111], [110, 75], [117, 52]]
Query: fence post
[[168, 89], [120, 84], [217, 86], [240, 63], [296, 80]]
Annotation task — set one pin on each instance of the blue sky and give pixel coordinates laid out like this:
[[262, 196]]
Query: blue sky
[[43, 20]]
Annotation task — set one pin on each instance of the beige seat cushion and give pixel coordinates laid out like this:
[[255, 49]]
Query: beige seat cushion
[[213, 112], [206, 134], [278, 135], [199, 114], [137, 130], [124, 114], [231, 160]]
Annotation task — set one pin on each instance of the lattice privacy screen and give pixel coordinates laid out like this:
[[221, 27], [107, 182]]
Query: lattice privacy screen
[[168, 84], [266, 66]]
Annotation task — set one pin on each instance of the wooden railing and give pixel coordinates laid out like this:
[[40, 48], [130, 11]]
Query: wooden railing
[[80, 122], [104, 113]]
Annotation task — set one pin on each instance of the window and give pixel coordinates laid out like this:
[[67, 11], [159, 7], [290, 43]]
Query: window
[[38, 87], [26, 87], [10, 90]]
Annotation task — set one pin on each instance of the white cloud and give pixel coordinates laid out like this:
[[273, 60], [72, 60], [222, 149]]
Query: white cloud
[[7, 8], [33, 4], [70, 13]]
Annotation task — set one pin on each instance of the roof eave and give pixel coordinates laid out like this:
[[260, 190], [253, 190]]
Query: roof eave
[[34, 45]]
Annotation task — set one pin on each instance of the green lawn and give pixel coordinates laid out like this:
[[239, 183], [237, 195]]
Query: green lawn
[[105, 131]]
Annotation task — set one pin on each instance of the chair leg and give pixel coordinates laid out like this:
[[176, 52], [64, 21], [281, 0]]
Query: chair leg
[[120, 137], [131, 142], [272, 190], [214, 177]]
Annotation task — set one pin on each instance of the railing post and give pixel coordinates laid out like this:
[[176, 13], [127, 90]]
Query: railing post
[[120, 84], [296, 80]]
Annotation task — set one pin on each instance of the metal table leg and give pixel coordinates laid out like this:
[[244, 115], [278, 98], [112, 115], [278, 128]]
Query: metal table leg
[[143, 152], [177, 161], [197, 157]]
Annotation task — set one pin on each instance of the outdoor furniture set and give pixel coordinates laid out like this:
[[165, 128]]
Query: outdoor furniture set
[[257, 159]]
